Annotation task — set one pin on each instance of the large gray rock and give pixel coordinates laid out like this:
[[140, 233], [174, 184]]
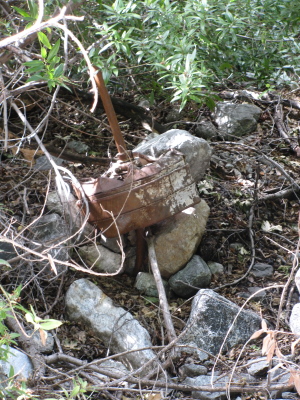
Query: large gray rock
[[177, 238], [65, 206], [116, 327], [101, 258], [210, 321], [20, 363], [295, 320], [236, 119], [197, 151], [192, 370], [186, 282], [50, 230]]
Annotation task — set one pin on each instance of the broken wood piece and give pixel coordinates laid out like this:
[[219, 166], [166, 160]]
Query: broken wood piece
[[163, 301]]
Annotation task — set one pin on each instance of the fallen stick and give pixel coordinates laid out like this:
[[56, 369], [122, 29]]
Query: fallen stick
[[160, 288]]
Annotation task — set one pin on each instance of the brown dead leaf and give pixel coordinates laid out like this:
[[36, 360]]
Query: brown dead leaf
[[294, 344], [43, 336], [295, 380], [156, 396], [257, 334], [271, 350]]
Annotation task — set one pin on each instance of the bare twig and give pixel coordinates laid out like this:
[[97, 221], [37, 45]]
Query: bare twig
[[160, 288], [278, 119]]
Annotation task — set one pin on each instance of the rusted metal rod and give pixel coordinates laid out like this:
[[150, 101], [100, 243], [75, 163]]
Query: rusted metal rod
[[111, 115]]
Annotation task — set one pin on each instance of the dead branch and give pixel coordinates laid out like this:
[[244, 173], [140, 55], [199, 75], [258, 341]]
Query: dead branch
[[160, 288], [283, 131], [235, 388], [267, 98]]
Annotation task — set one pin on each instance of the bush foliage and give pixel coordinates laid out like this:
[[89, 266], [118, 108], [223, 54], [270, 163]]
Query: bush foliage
[[183, 49]]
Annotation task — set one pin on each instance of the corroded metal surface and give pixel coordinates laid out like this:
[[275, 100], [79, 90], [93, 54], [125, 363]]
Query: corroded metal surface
[[140, 197]]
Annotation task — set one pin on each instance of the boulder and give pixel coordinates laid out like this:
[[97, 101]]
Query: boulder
[[196, 150], [195, 275], [101, 259], [116, 327], [295, 320], [236, 119], [20, 362], [50, 230], [213, 318], [177, 238]]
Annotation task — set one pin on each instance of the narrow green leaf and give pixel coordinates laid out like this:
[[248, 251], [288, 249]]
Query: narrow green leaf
[[44, 40], [43, 52], [33, 63], [58, 71], [4, 262], [37, 68], [36, 78], [75, 391], [49, 324], [21, 12], [53, 51]]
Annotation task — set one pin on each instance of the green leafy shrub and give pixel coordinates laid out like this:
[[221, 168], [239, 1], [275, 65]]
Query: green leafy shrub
[[183, 49]]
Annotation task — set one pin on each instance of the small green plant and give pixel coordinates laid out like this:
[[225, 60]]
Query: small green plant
[[49, 68], [79, 389], [9, 306]]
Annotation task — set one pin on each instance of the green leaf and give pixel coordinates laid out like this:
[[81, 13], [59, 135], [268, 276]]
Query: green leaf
[[58, 71], [49, 324], [22, 12], [44, 40], [33, 63], [29, 318], [11, 372], [35, 69], [4, 262], [36, 78], [43, 52], [210, 103], [75, 391], [53, 51]]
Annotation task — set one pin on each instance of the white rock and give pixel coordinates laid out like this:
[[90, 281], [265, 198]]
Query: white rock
[[295, 320]]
